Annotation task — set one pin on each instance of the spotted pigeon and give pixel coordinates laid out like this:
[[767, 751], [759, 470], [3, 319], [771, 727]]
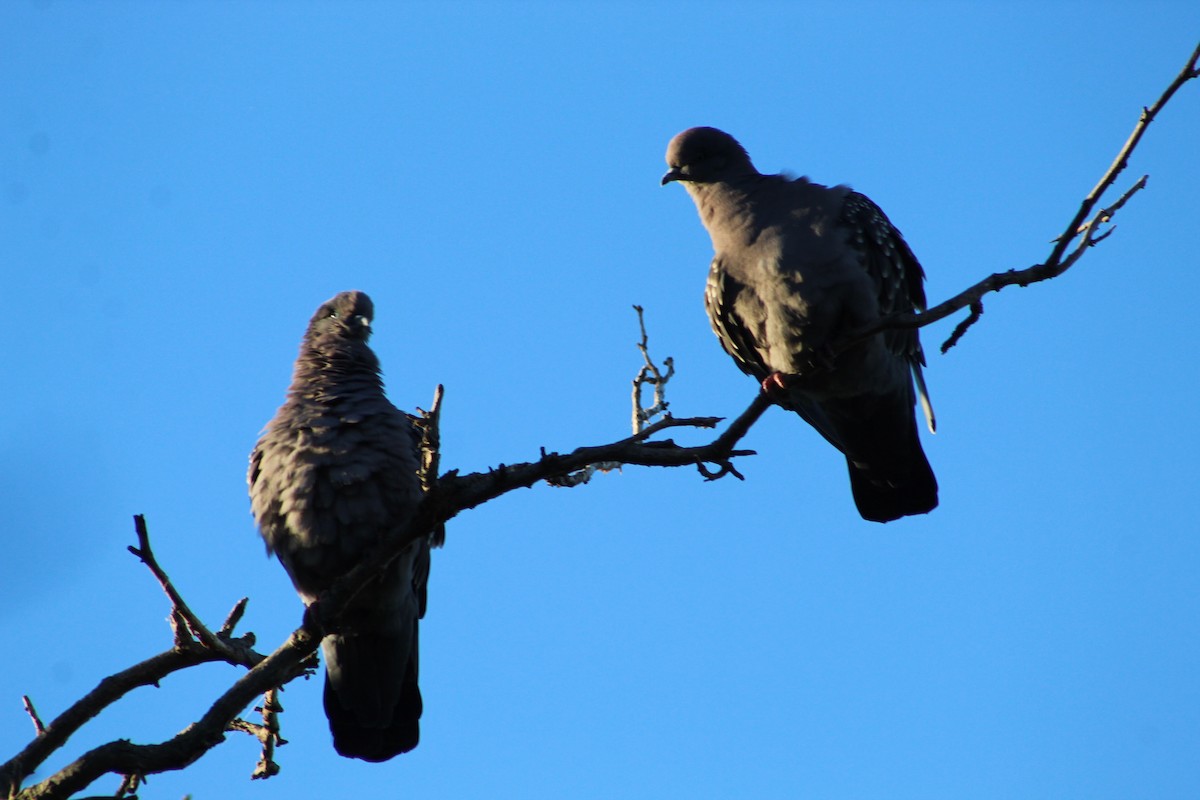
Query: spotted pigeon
[[797, 268], [333, 475]]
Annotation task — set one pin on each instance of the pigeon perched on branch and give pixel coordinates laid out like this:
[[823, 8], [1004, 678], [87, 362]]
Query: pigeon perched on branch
[[798, 268], [334, 474]]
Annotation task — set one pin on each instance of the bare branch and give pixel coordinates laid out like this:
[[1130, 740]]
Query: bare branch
[[129, 784], [187, 652], [458, 493], [649, 374], [1189, 72], [582, 476], [961, 328], [271, 709], [1056, 264], [38, 727], [123, 757], [727, 468], [674, 422], [431, 451], [267, 734], [179, 608], [109, 690], [234, 617]]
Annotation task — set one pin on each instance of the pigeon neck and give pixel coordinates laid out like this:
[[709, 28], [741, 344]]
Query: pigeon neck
[[725, 207], [321, 368]]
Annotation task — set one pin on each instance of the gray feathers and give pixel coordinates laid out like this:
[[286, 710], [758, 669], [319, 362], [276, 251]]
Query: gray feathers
[[899, 278], [797, 267], [334, 474]]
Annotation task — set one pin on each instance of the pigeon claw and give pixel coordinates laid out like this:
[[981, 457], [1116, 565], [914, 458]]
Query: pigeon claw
[[775, 385], [316, 617]]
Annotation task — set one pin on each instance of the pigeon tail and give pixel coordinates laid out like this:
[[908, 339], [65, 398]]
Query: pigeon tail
[[883, 499], [890, 476], [372, 698]]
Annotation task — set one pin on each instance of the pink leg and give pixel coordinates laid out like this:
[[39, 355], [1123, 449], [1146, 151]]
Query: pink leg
[[775, 385]]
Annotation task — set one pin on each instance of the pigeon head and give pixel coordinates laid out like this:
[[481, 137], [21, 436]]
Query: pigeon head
[[345, 317], [705, 155]]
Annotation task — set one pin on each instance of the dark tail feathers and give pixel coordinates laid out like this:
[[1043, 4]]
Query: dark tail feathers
[[372, 698], [883, 497], [889, 474]]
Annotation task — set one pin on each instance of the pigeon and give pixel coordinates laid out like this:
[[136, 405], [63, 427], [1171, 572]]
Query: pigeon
[[334, 474], [797, 269]]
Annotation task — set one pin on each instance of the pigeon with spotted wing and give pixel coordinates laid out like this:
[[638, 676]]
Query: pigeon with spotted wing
[[797, 267], [334, 474]]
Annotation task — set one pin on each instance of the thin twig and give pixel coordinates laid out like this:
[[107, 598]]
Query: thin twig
[[233, 618], [582, 476], [267, 734], [179, 608], [961, 328], [33, 715], [674, 422], [431, 452], [649, 373], [129, 784], [271, 709], [1055, 264]]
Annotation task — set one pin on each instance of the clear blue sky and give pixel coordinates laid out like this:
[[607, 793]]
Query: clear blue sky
[[182, 185]]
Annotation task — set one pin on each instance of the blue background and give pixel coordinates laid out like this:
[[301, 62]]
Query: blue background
[[182, 185]]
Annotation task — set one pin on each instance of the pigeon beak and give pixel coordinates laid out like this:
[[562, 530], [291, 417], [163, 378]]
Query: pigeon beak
[[673, 174]]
